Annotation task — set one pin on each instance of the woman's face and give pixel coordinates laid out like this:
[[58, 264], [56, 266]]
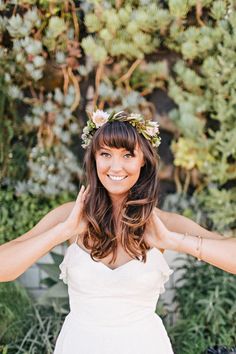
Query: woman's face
[[118, 170]]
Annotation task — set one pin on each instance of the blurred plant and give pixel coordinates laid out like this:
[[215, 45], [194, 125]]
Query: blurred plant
[[56, 294], [130, 31], [205, 298], [51, 172], [40, 329], [52, 167], [186, 205], [15, 304], [32, 42], [54, 34], [202, 87], [20, 213], [221, 207]]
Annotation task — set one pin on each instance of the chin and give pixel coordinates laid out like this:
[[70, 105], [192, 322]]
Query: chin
[[116, 190]]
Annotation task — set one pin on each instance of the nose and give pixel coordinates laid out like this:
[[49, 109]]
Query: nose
[[116, 165]]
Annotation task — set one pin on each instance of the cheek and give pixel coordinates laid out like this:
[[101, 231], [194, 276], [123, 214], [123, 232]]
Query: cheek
[[134, 167], [101, 166]]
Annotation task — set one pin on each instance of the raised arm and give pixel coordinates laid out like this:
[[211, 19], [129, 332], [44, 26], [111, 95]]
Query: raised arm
[[59, 225], [18, 255], [180, 224], [175, 232]]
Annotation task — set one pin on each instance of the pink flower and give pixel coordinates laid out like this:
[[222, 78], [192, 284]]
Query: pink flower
[[152, 128], [99, 117]]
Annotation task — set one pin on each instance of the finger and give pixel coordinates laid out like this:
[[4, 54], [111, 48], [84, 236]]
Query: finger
[[78, 199], [85, 193], [87, 189]]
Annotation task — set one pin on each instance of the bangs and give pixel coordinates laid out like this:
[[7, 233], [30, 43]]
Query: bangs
[[116, 135]]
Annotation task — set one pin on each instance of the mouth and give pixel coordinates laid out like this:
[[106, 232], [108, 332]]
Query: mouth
[[116, 178]]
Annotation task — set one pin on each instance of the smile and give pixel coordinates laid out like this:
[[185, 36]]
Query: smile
[[116, 178]]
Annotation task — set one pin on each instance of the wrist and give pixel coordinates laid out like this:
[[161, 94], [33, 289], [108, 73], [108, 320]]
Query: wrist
[[64, 232], [179, 242], [174, 242], [185, 243]]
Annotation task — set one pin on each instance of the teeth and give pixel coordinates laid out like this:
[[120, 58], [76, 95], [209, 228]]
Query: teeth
[[116, 178]]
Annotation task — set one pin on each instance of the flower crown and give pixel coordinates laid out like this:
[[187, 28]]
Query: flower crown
[[149, 129]]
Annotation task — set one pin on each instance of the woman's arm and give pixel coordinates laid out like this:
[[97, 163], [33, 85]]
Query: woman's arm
[[180, 234], [220, 253], [18, 255], [57, 226], [180, 224]]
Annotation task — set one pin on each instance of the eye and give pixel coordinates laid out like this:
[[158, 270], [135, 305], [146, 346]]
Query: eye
[[104, 153], [129, 155]]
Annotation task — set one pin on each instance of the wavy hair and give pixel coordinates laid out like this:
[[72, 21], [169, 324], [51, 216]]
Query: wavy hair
[[100, 237]]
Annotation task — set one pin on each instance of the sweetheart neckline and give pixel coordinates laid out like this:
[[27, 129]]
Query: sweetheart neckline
[[117, 268]]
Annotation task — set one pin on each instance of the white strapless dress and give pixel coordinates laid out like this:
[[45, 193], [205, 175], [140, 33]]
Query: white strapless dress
[[113, 311]]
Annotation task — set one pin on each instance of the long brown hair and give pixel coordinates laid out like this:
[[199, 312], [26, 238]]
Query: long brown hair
[[136, 208]]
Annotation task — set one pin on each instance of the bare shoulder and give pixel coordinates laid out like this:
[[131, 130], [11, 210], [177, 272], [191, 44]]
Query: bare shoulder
[[51, 219]]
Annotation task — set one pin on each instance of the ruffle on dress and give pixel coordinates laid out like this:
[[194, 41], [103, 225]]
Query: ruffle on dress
[[63, 266], [165, 277]]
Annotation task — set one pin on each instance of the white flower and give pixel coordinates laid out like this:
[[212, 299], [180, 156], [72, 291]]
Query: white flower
[[29, 67], [49, 106], [32, 15], [60, 57], [31, 46], [149, 129], [99, 117], [152, 128], [58, 96], [86, 130], [7, 77], [136, 116], [38, 61], [74, 127], [37, 75], [15, 92], [20, 58], [69, 99]]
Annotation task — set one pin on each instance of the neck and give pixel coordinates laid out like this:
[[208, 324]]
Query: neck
[[117, 207], [117, 216]]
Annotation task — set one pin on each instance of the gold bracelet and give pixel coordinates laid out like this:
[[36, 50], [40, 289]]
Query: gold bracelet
[[199, 247]]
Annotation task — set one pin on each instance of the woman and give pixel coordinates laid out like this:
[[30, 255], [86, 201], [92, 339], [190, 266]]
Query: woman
[[114, 266]]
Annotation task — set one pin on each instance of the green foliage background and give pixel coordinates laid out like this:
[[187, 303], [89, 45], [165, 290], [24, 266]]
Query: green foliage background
[[60, 58]]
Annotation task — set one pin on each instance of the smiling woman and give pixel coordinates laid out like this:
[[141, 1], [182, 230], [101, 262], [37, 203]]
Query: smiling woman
[[113, 267], [118, 151], [120, 249]]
